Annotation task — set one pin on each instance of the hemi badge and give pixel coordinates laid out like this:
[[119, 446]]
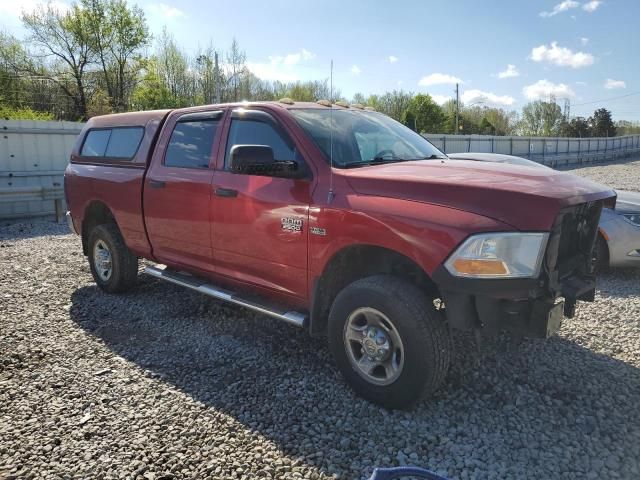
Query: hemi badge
[[318, 231]]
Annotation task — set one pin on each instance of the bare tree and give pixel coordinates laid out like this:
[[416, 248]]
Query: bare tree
[[63, 42], [236, 67]]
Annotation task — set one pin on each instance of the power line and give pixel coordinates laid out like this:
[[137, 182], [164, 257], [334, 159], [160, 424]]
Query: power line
[[606, 99]]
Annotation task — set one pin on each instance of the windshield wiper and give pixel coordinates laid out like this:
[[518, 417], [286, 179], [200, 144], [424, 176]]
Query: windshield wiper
[[374, 161], [382, 160]]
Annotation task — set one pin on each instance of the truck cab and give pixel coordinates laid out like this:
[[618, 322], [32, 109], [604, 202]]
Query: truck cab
[[338, 220]]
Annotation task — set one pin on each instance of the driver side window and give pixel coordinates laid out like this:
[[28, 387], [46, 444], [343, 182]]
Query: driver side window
[[255, 132]]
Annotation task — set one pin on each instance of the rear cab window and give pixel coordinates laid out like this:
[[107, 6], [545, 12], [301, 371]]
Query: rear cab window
[[117, 143]]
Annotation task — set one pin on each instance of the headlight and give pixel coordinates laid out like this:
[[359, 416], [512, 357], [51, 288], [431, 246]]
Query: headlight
[[499, 255], [633, 218]]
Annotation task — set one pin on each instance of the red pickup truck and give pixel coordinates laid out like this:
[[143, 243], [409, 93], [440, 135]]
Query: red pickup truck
[[339, 220]]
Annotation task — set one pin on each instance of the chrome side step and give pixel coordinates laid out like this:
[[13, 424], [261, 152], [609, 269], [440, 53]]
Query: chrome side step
[[194, 283]]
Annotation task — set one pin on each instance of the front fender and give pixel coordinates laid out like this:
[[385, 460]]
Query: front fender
[[423, 232]]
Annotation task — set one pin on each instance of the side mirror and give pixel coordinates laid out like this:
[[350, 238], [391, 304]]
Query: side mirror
[[258, 160]]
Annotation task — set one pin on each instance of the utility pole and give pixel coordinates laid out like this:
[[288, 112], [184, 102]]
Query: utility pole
[[216, 74], [457, 109], [567, 109]]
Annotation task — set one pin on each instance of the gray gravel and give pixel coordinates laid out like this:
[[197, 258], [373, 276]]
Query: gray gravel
[[623, 175], [165, 383]]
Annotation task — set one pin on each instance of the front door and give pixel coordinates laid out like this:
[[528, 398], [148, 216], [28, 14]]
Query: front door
[[261, 223], [177, 191]]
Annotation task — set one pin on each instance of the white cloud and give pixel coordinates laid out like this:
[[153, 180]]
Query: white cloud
[[561, 7], [440, 99], [582, 84], [542, 89], [561, 56], [611, 84], [439, 79], [584, 40], [591, 6], [166, 11], [294, 58], [281, 67], [510, 72], [355, 70], [400, 82], [392, 59], [489, 98]]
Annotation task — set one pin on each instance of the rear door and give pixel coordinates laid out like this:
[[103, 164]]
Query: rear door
[[261, 223], [177, 190]]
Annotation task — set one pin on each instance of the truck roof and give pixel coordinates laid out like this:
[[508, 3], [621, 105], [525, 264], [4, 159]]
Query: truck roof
[[143, 117], [127, 119]]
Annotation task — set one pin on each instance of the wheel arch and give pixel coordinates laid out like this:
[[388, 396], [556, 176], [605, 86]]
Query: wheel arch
[[354, 262], [96, 213]]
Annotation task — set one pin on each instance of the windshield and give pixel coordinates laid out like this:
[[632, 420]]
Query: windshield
[[363, 138]]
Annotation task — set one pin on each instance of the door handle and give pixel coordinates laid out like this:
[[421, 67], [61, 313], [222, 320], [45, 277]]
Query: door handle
[[157, 184], [226, 192]]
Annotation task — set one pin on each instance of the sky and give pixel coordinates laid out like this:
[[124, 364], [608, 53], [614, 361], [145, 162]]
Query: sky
[[501, 53]]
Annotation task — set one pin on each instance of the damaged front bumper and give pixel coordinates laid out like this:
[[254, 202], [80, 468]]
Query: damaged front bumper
[[532, 307], [523, 307]]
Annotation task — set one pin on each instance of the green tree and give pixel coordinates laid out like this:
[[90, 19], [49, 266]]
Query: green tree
[[118, 34], [501, 121], [626, 127], [577, 127], [540, 119], [359, 98], [9, 113], [173, 68], [393, 104], [151, 93], [601, 124], [423, 115]]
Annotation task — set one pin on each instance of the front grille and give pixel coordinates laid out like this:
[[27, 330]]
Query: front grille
[[571, 243], [578, 232]]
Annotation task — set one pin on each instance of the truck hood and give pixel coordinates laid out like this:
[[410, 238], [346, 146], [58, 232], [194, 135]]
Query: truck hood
[[524, 197]]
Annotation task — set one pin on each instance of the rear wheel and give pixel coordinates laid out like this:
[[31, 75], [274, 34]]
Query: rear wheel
[[113, 266], [388, 340]]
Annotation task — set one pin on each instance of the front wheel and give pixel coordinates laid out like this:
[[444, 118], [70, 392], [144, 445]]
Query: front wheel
[[113, 266], [389, 341]]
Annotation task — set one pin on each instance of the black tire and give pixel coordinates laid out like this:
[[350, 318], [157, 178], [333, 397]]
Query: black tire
[[124, 264], [421, 328], [601, 254]]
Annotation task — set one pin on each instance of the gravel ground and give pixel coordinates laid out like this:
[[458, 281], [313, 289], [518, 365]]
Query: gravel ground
[[165, 383], [623, 175]]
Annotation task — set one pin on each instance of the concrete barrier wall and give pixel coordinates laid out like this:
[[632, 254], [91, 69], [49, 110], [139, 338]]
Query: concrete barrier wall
[[33, 156], [552, 151]]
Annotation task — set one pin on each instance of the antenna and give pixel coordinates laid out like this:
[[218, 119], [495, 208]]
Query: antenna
[[330, 195]]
